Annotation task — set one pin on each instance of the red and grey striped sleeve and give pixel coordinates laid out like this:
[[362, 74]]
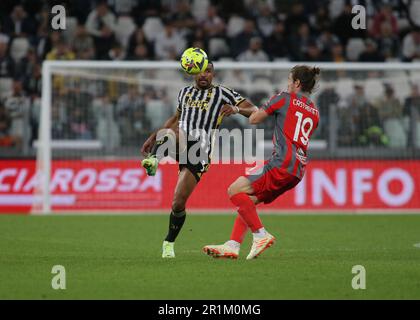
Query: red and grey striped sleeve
[[275, 103]]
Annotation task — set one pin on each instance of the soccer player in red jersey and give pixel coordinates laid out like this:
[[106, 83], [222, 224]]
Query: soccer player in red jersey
[[296, 118]]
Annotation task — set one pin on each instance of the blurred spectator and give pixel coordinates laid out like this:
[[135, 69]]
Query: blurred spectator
[[61, 52], [266, 20], [366, 119], [213, 25], [59, 127], [25, 67], [33, 81], [276, 45], [327, 99], [199, 39], [240, 43], [327, 40], [144, 9], [4, 38], [7, 65], [343, 26], [371, 53], [388, 43], [83, 44], [101, 24], [313, 52], [390, 114], [385, 15], [139, 39], [106, 127], [411, 114], [321, 20], [122, 7], [296, 18], [47, 41], [169, 44], [411, 45], [6, 140], [299, 43], [129, 106], [337, 53], [117, 52], [141, 52], [254, 52], [19, 23], [78, 125], [182, 18], [17, 106]]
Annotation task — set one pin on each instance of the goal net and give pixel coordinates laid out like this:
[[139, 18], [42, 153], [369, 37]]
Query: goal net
[[95, 116]]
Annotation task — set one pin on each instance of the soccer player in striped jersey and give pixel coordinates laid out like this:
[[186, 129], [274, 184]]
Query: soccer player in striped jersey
[[201, 108], [295, 120]]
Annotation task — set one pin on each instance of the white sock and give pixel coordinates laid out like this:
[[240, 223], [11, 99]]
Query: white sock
[[259, 233], [233, 244]]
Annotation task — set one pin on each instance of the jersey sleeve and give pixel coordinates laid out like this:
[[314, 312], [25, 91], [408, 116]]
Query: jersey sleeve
[[231, 97], [275, 103]]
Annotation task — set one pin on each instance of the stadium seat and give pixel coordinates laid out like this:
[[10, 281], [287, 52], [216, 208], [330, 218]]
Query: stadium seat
[[354, 48], [125, 27], [403, 23], [155, 112], [5, 87], [374, 88], [152, 27], [218, 47], [415, 12], [19, 48], [402, 88], [336, 8], [235, 26], [344, 87], [199, 9], [262, 84]]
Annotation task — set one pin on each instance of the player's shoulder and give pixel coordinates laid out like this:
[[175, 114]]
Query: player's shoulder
[[279, 96], [224, 88]]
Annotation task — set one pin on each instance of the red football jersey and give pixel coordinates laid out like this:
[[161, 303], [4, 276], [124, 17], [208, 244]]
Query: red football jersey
[[296, 118]]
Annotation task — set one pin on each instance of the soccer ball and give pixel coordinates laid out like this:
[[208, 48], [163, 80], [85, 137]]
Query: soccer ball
[[194, 60]]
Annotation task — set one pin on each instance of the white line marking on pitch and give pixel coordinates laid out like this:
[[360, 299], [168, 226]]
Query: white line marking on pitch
[[417, 245]]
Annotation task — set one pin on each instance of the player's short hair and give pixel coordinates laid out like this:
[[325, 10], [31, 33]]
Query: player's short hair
[[307, 76]]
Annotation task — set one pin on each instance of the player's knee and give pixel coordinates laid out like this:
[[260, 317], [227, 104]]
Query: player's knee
[[178, 204], [232, 190]]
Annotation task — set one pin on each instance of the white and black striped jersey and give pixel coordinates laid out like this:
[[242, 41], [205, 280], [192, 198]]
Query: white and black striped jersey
[[199, 109]]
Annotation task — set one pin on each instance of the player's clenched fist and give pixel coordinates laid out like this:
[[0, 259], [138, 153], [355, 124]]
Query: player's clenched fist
[[228, 110]]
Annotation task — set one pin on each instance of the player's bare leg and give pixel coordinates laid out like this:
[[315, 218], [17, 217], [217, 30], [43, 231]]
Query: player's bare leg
[[184, 187]]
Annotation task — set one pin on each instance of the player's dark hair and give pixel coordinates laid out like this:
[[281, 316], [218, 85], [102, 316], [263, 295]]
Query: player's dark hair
[[307, 76]]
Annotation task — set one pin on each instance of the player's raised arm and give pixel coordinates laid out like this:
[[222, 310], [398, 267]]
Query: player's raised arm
[[170, 123]]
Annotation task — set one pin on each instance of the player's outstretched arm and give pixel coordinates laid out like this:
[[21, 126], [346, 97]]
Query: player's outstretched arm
[[245, 108], [170, 123], [258, 116]]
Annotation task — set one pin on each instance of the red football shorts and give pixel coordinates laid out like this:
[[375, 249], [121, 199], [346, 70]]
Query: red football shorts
[[271, 182]]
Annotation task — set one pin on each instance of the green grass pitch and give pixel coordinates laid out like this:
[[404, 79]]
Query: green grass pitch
[[118, 257]]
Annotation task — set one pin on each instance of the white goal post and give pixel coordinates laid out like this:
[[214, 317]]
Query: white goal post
[[409, 73]]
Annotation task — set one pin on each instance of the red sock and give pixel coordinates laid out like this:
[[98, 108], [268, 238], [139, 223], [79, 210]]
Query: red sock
[[247, 210], [239, 229]]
